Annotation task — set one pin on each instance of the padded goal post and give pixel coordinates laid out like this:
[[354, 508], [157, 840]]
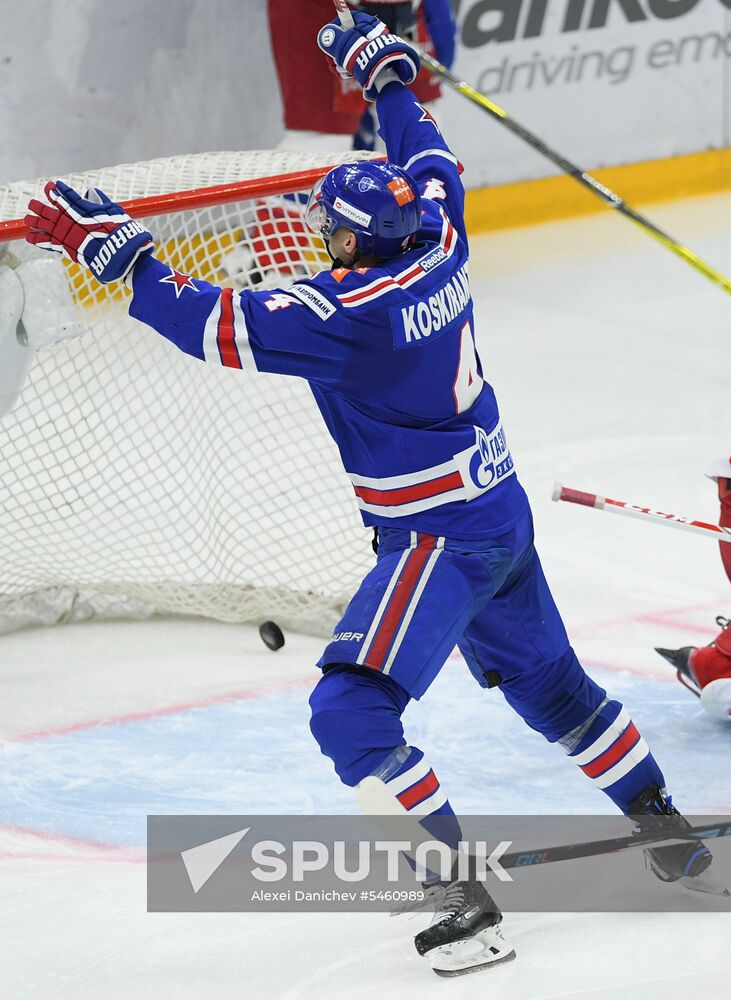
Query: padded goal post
[[135, 479]]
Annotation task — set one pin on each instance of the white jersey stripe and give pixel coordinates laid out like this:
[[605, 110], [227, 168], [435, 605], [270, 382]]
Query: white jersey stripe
[[409, 478], [403, 279], [431, 152], [241, 335], [416, 506], [413, 604], [210, 335]]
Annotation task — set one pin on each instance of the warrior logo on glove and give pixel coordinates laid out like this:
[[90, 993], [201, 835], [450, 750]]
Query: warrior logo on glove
[[366, 50], [93, 230]]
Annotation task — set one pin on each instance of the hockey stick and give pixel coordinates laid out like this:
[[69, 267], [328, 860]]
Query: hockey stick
[[375, 799], [571, 852], [344, 13], [602, 192], [643, 513]]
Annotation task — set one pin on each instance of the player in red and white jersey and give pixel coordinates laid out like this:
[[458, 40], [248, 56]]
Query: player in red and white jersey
[[330, 111], [706, 670]]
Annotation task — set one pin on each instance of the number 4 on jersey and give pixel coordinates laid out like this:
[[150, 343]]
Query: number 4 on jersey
[[468, 383]]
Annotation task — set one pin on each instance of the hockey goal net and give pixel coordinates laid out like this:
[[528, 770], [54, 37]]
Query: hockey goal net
[[134, 479]]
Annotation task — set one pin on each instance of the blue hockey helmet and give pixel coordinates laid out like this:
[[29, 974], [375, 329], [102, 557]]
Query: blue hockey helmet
[[378, 201]]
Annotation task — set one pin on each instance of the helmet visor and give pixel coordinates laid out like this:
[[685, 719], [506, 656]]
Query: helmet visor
[[316, 217]]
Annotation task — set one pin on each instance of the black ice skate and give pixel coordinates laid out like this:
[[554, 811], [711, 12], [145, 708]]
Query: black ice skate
[[684, 862], [465, 935], [680, 660]]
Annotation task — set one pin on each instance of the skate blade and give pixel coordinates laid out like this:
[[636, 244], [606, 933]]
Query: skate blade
[[706, 885], [483, 951]]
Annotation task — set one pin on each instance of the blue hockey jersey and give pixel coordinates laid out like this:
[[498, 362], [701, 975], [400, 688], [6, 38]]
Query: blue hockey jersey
[[388, 352]]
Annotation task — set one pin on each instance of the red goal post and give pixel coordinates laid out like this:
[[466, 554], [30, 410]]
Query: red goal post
[[136, 480], [181, 201]]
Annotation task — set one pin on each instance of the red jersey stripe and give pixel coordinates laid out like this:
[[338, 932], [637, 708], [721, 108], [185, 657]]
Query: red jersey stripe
[[409, 275], [357, 296], [226, 339], [616, 751], [407, 494], [411, 797], [402, 594]]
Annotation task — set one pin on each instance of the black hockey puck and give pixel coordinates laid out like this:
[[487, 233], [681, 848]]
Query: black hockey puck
[[271, 635]]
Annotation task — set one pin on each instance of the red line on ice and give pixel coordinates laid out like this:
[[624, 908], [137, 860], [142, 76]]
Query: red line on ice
[[186, 706], [112, 851]]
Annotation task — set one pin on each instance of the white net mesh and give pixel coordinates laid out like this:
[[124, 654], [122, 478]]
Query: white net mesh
[[134, 479]]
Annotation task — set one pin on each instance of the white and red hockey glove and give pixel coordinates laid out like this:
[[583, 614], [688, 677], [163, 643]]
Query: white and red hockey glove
[[369, 52], [92, 230]]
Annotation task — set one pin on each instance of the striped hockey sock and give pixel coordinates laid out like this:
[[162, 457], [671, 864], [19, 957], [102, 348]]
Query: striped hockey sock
[[609, 749], [410, 784]]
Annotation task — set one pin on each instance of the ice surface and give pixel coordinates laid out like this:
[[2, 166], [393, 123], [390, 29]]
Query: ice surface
[[612, 365]]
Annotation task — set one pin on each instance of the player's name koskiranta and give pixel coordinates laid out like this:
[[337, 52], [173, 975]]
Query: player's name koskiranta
[[303, 896]]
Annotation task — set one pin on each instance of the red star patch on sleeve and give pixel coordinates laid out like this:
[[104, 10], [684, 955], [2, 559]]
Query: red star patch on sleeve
[[179, 281], [427, 116]]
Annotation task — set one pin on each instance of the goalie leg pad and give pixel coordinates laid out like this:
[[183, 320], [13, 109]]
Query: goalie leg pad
[[716, 698], [16, 357], [49, 313]]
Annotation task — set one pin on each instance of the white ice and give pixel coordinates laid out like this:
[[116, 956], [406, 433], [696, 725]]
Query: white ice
[[611, 360]]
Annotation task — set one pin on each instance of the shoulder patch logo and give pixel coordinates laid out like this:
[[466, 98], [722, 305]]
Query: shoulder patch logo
[[312, 298]]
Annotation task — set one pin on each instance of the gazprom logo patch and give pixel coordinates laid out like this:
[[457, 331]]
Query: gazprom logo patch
[[491, 460]]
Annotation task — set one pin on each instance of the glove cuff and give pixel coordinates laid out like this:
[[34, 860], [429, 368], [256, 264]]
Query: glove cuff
[[386, 76]]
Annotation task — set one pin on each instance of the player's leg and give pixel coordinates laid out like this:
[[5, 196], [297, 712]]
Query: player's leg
[[519, 642], [391, 642], [394, 637], [706, 670], [356, 720]]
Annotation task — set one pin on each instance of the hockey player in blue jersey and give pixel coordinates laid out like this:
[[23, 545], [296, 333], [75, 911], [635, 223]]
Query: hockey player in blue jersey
[[386, 342]]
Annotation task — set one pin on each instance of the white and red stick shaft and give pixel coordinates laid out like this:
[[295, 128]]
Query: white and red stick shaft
[[642, 513], [344, 13]]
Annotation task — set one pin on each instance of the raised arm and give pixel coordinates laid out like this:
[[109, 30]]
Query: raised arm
[[414, 142], [382, 63], [293, 331]]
